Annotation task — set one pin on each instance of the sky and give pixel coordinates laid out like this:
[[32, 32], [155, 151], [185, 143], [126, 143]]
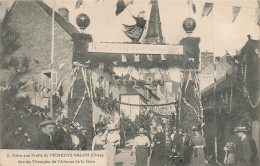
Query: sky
[[216, 31]]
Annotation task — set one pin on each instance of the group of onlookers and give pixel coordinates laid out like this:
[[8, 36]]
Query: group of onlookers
[[188, 150], [183, 149]]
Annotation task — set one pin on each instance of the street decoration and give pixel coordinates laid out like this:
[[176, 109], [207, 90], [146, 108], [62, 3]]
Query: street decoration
[[83, 21], [207, 9], [189, 25], [134, 32]]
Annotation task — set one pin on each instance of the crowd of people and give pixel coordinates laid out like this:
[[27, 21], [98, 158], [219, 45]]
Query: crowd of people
[[188, 150], [183, 149]]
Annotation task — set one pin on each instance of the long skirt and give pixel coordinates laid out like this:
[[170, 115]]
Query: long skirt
[[142, 154], [111, 154], [159, 156], [98, 147], [198, 157]]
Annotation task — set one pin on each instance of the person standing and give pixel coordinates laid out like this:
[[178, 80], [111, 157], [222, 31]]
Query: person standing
[[99, 140], [44, 139], [198, 143], [246, 148], [112, 141], [62, 139], [141, 144], [158, 157], [174, 139], [83, 141], [183, 148]]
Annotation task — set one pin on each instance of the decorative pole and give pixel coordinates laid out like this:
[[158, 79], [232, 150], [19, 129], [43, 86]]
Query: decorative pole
[[52, 58]]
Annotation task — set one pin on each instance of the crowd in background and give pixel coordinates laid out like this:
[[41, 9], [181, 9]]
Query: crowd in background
[[184, 149]]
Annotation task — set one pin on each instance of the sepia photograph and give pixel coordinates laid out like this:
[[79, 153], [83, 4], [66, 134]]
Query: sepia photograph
[[129, 82]]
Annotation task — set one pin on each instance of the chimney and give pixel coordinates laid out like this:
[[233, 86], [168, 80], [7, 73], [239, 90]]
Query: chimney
[[64, 12]]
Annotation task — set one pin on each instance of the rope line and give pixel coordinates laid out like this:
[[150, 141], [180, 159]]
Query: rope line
[[142, 105]]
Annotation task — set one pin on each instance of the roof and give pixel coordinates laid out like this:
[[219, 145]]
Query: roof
[[132, 91], [67, 26], [222, 83]]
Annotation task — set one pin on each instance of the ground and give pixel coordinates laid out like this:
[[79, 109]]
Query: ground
[[123, 158]]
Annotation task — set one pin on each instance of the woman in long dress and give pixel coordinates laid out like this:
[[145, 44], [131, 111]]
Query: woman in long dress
[[141, 144], [198, 144], [112, 141], [158, 157]]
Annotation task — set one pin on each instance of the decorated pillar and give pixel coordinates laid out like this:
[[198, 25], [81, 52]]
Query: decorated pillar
[[80, 110], [191, 112]]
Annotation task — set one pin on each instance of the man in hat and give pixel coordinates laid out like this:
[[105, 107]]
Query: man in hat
[[44, 139], [246, 148], [183, 148], [174, 139], [62, 139], [83, 143]]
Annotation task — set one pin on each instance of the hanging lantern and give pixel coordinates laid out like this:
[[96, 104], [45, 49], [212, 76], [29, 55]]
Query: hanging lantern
[[155, 82], [82, 21], [141, 83], [118, 82], [161, 82], [189, 25], [131, 83], [124, 82]]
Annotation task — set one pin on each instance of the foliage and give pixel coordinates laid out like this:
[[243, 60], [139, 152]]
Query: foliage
[[8, 41], [130, 128]]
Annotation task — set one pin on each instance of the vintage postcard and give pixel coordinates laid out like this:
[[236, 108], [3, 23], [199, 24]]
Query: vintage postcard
[[129, 82]]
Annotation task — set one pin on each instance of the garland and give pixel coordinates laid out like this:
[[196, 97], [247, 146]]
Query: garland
[[141, 105], [245, 90]]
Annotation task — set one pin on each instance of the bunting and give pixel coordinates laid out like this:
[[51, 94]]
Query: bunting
[[207, 9], [124, 58], [137, 59], [235, 11], [78, 4], [194, 8], [163, 57], [150, 57]]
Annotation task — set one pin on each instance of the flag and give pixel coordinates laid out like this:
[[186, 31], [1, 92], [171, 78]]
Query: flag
[[134, 32], [194, 8], [162, 57], [150, 57], [121, 5], [136, 57], [207, 9], [78, 3], [235, 11], [124, 58]]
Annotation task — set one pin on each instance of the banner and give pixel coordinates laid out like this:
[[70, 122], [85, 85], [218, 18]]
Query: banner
[[235, 11], [207, 9]]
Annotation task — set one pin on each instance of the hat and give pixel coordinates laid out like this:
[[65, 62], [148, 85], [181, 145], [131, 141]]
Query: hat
[[100, 129], [195, 128], [47, 122], [240, 129], [141, 131]]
